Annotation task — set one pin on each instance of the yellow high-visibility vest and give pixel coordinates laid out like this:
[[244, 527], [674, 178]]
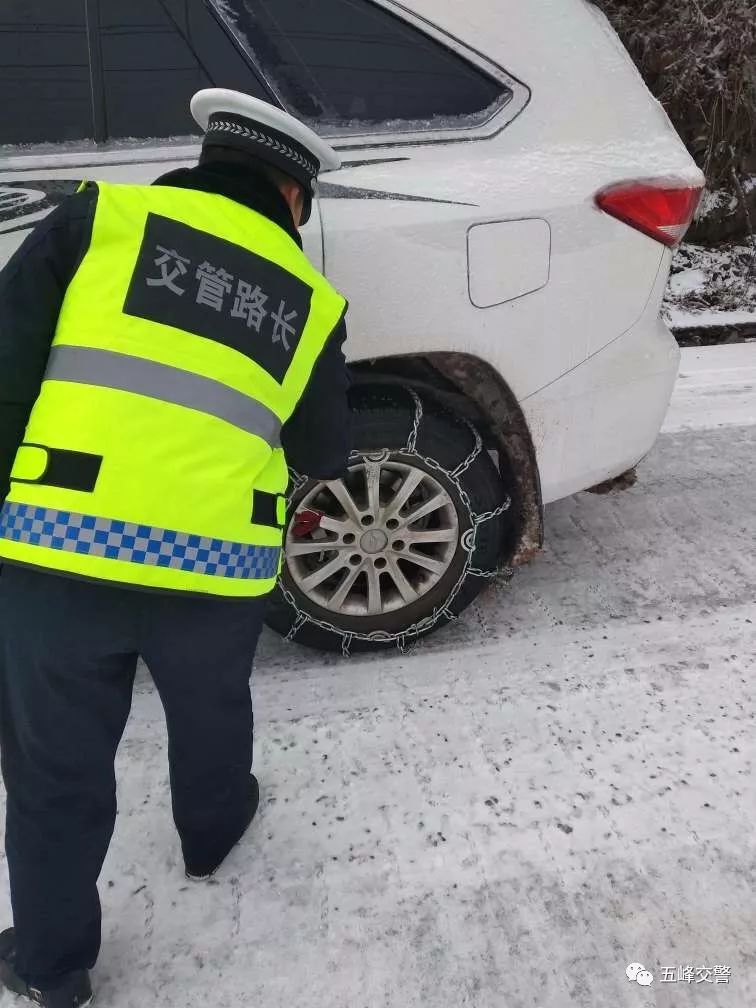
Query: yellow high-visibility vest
[[152, 457]]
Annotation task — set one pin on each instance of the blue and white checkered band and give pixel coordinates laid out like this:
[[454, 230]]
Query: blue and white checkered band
[[279, 148], [139, 544]]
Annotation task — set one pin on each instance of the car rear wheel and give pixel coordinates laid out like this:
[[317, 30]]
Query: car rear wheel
[[404, 542]]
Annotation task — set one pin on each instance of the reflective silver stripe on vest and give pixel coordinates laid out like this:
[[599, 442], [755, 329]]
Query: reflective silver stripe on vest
[[108, 369]]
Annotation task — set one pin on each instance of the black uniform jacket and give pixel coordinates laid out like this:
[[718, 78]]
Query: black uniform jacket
[[317, 439]]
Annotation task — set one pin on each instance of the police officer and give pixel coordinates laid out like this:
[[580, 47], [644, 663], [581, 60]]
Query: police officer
[[165, 350]]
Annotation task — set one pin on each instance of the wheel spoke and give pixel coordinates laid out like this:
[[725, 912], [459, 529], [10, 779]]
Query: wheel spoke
[[339, 597], [440, 500], [397, 575], [300, 549], [336, 525], [412, 481], [323, 573], [421, 560], [311, 548], [373, 480], [431, 536], [375, 604], [342, 495]]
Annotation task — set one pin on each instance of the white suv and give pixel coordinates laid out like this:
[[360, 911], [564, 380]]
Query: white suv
[[502, 226]]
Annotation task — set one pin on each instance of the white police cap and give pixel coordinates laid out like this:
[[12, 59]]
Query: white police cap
[[239, 121]]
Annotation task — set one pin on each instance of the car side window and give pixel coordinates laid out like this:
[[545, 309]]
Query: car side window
[[352, 65], [44, 72], [155, 55]]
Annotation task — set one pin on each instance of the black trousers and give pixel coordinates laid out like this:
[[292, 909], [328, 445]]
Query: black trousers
[[68, 654]]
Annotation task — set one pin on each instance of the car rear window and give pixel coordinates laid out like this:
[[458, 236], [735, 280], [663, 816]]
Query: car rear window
[[351, 64]]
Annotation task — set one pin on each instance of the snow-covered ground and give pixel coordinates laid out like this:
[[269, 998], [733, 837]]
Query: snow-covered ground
[[712, 287], [559, 785], [716, 388]]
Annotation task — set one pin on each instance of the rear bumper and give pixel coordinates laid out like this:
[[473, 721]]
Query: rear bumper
[[604, 416]]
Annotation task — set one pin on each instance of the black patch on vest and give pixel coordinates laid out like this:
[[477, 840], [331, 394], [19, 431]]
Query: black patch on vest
[[67, 470], [207, 286], [265, 509]]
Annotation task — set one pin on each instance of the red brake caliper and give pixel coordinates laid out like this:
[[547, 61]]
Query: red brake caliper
[[306, 522]]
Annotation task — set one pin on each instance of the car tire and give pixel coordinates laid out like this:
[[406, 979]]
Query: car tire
[[401, 439]]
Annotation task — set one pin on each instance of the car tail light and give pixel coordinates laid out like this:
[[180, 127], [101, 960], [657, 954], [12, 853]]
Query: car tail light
[[664, 212]]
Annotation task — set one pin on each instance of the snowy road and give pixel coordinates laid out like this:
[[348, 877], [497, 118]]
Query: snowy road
[[557, 786]]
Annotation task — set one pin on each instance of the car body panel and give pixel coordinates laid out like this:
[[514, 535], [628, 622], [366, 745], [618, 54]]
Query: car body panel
[[602, 418]]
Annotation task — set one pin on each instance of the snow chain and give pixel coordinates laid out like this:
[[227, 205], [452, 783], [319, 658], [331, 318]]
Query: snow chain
[[406, 640]]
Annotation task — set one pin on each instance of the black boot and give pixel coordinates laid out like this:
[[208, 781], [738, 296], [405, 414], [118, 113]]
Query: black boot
[[74, 991], [204, 860]]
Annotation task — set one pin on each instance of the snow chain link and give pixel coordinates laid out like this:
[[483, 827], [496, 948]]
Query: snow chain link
[[409, 637]]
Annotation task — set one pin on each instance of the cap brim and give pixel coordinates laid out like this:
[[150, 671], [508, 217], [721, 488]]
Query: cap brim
[[213, 100]]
